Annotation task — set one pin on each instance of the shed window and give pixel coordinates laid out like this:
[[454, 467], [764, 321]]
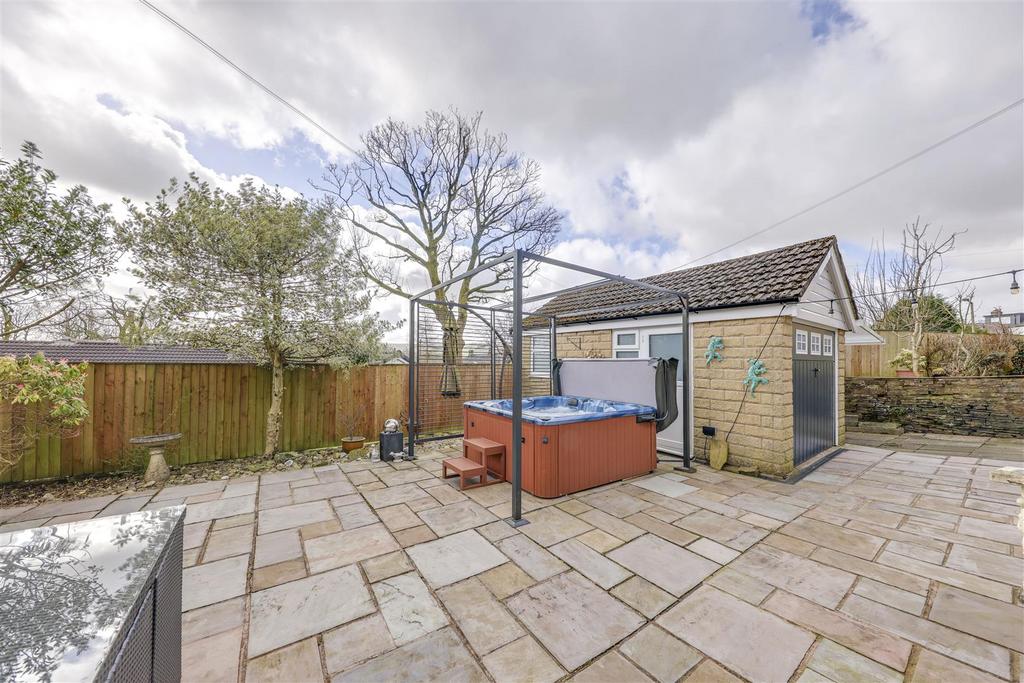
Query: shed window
[[801, 341], [815, 344], [626, 344], [826, 345]]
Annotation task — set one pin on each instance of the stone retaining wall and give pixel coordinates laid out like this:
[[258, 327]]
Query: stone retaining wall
[[979, 406]]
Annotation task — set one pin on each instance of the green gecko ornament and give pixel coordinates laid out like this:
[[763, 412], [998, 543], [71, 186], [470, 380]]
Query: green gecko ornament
[[715, 344], [755, 368]]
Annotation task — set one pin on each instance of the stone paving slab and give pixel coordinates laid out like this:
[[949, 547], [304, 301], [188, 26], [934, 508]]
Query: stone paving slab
[[356, 642], [756, 644], [299, 609], [346, 547], [522, 660], [531, 557], [454, 558], [449, 519], [437, 657], [408, 608], [573, 618], [837, 663], [484, 621], [664, 564], [806, 578]]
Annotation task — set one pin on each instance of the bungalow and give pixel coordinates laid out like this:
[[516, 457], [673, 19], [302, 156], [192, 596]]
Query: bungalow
[[791, 308]]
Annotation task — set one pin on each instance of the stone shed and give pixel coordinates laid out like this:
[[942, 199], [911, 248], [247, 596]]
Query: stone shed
[[790, 308]]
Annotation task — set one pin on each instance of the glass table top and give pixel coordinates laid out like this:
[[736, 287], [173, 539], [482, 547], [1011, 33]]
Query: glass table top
[[66, 591]]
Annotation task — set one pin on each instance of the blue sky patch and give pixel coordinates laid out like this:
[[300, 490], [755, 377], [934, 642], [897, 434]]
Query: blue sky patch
[[111, 103], [826, 16], [293, 163]]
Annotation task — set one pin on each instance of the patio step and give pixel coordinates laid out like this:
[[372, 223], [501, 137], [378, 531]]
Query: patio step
[[880, 427]]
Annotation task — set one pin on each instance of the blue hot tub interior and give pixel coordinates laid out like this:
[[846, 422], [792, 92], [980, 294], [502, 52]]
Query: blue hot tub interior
[[563, 409]]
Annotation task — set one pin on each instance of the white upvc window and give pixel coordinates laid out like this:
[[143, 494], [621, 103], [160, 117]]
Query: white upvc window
[[815, 344], [826, 345], [625, 343], [540, 356], [801, 341]]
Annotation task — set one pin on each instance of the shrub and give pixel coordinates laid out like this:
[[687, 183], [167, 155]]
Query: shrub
[[45, 398]]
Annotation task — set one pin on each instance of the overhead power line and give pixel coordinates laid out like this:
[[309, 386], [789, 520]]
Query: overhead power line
[[252, 79], [862, 183], [910, 291]]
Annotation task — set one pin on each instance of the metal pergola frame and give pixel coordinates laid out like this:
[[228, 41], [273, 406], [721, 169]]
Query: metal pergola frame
[[515, 307]]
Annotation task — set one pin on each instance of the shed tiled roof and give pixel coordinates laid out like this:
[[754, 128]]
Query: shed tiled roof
[[774, 276], [113, 352]]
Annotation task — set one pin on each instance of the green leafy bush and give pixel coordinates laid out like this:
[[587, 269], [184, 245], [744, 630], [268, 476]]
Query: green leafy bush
[[39, 397]]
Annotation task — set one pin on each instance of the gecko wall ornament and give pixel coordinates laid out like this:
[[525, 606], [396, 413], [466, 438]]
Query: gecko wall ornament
[[755, 368], [715, 344]]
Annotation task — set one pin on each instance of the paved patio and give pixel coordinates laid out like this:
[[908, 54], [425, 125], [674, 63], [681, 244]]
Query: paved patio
[[881, 566]]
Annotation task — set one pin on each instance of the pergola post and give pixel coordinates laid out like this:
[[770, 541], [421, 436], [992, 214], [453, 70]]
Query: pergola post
[[413, 365], [493, 378], [686, 362], [517, 390]]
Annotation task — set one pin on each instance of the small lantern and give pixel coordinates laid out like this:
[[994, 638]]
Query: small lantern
[[1014, 287]]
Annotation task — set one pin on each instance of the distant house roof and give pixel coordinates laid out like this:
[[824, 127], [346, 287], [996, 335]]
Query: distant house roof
[[775, 276], [862, 335], [400, 353], [113, 352]]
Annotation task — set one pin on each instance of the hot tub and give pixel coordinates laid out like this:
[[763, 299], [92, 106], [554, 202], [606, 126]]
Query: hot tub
[[570, 443]]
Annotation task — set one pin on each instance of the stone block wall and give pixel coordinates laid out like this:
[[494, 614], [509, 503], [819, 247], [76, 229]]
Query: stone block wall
[[585, 344], [763, 434], [978, 406]]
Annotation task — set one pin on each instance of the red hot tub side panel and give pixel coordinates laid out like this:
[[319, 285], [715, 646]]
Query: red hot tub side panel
[[577, 456]]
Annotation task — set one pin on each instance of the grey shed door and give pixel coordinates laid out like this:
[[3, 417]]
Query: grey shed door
[[814, 393]]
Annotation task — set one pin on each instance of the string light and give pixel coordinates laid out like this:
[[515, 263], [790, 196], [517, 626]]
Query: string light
[[1014, 287]]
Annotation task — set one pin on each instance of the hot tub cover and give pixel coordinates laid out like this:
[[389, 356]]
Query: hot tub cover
[[555, 410]]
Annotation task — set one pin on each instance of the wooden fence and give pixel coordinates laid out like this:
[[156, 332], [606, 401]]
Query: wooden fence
[[873, 360], [219, 409]]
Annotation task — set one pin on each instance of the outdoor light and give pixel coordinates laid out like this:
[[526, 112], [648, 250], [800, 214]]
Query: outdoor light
[[1014, 287], [913, 301], [830, 310]]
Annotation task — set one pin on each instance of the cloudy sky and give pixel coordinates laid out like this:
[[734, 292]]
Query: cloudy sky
[[664, 130]]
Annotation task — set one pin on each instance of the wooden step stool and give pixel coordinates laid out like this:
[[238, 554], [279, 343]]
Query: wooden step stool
[[465, 469], [482, 450]]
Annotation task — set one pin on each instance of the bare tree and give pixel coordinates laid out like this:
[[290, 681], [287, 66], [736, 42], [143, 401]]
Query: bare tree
[[899, 288], [443, 197], [132, 320]]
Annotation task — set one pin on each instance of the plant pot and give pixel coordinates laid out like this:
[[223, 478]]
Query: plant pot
[[352, 443], [906, 373]]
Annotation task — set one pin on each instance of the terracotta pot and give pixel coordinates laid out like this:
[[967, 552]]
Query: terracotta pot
[[906, 373], [352, 443]]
